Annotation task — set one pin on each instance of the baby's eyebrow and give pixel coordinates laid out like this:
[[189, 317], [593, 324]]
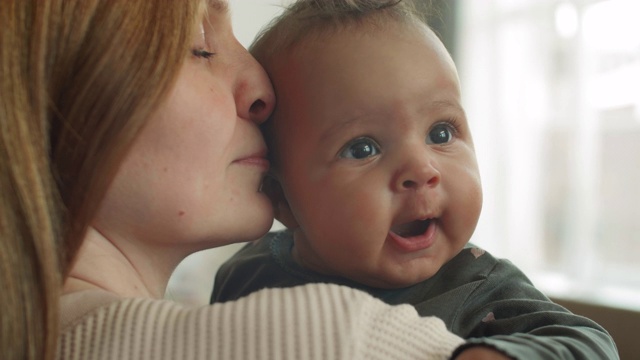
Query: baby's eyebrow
[[443, 104], [337, 128]]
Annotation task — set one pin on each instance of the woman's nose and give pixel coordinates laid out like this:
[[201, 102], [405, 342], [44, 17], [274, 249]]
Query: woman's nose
[[416, 172], [254, 95]]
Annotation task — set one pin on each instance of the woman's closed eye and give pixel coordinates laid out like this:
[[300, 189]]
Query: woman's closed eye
[[360, 148], [202, 53]]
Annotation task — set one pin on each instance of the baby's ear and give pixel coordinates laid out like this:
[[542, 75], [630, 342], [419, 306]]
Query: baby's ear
[[272, 188]]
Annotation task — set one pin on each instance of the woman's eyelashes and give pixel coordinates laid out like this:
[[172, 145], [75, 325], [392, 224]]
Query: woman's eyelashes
[[360, 148], [202, 53]]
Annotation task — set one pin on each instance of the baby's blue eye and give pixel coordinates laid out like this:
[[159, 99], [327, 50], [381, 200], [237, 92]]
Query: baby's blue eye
[[360, 148], [440, 134]]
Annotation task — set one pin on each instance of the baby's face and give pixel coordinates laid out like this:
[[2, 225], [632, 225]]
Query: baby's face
[[375, 155]]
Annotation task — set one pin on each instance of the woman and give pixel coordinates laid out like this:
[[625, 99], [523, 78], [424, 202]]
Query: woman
[[129, 140]]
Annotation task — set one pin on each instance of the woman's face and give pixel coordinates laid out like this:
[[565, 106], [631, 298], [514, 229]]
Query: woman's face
[[193, 175]]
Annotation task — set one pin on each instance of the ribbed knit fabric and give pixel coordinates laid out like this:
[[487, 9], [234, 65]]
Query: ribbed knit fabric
[[316, 321]]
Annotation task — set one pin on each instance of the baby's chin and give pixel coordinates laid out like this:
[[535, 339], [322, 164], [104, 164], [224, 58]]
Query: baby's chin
[[396, 278], [390, 284], [390, 281]]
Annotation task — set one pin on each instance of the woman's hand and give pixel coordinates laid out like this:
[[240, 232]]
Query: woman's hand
[[481, 353]]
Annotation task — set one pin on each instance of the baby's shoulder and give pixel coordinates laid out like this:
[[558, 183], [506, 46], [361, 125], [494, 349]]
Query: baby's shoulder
[[475, 262]]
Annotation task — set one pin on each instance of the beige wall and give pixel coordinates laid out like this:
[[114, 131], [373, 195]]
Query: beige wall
[[623, 325]]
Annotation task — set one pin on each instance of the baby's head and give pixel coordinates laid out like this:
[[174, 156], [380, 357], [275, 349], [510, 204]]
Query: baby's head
[[373, 162]]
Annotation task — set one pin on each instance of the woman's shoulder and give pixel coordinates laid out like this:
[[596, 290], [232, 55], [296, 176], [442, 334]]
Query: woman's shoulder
[[77, 305], [94, 305], [315, 321], [97, 324]]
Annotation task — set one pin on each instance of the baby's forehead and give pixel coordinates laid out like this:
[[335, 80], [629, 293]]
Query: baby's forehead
[[301, 28], [366, 26], [317, 40]]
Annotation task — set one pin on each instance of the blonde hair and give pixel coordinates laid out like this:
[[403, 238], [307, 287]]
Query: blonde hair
[[79, 80]]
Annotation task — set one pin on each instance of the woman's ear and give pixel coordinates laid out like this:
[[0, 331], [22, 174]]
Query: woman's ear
[[272, 188]]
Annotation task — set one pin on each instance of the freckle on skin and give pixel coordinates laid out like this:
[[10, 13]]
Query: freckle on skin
[[165, 169], [180, 213]]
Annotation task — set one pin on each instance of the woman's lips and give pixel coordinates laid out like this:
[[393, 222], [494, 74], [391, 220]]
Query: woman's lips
[[255, 161], [414, 236], [258, 159]]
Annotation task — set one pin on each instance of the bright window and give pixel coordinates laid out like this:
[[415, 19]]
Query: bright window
[[552, 91]]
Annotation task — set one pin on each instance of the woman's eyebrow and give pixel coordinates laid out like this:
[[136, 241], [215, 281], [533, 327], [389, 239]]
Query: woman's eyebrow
[[219, 5]]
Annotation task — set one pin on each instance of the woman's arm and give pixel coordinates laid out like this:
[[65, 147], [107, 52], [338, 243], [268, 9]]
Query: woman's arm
[[316, 321]]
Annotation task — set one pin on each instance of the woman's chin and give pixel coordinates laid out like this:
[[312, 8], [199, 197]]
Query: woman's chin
[[264, 214], [257, 221]]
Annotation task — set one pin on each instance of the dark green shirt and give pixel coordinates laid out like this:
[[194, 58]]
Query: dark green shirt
[[485, 300]]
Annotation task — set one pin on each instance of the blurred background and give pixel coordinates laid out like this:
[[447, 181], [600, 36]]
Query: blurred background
[[552, 93], [552, 90]]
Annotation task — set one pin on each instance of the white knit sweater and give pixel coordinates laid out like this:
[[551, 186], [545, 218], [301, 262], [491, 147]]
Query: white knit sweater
[[308, 322]]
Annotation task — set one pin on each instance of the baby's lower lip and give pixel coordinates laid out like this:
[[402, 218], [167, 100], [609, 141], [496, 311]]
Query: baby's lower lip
[[415, 243]]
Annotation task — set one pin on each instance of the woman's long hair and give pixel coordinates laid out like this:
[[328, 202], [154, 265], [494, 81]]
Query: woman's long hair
[[78, 79]]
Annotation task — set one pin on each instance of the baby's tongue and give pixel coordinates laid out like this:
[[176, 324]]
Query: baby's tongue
[[410, 229]]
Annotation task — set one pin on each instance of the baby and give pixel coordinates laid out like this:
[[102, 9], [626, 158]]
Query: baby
[[375, 177]]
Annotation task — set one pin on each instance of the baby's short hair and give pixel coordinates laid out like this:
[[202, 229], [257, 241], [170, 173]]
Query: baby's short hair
[[307, 18]]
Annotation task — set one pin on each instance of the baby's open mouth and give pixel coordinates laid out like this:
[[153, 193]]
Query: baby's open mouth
[[411, 229]]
